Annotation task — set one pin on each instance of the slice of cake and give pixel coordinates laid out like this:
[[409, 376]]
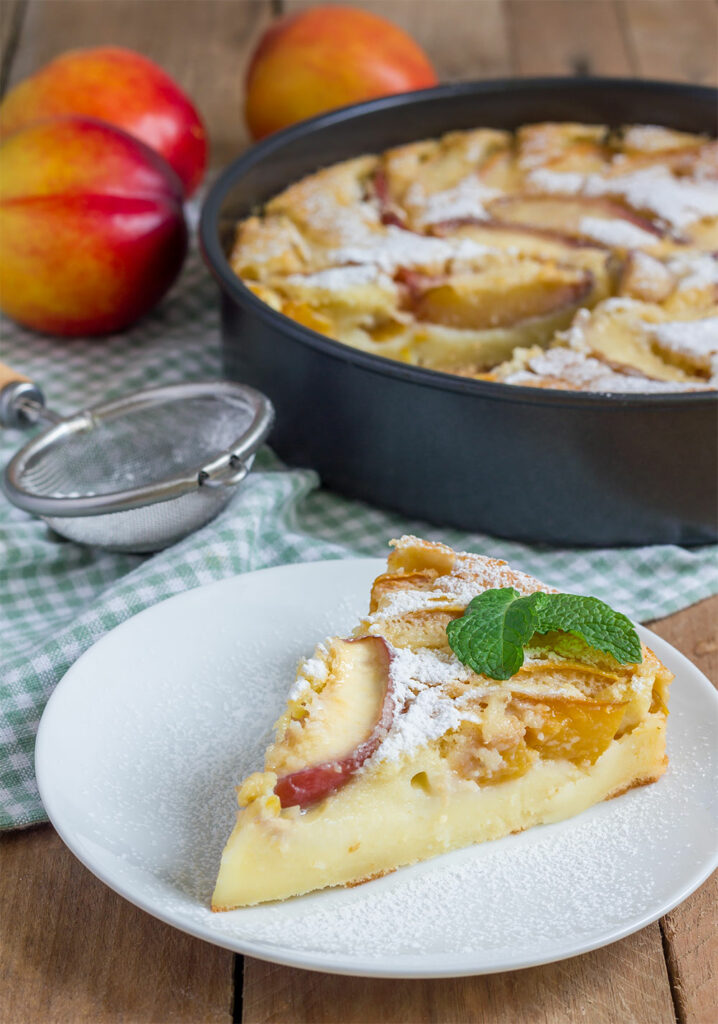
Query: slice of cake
[[409, 738]]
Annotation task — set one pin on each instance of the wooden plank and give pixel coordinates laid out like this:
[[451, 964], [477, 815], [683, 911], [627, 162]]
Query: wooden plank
[[203, 44], [690, 932], [565, 37], [463, 38], [694, 631], [675, 39], [690, 935], [11, 18], [73, 951], [561, 993]]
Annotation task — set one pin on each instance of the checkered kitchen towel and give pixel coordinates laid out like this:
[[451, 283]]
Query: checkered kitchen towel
[[56, 598]]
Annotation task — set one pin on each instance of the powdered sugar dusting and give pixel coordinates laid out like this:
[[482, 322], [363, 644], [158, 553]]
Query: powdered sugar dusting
[[427, 716], [616, 232], [677, 201], [695, 270], [697, 340], [472, 576], [585, 373], [341, 278], [397, 248], [650, 277], [464, 200]]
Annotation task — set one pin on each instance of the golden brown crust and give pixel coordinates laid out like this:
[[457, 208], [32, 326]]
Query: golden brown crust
[[645, 780]]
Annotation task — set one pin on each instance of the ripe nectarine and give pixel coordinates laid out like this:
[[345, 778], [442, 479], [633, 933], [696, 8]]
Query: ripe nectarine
[[123, 88], [92, 227], [328, 57]]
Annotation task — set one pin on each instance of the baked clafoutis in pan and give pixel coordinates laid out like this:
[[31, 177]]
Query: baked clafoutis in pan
[[561, 255]]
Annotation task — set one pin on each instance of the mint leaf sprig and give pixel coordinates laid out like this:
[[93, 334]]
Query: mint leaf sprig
[[497, 625]]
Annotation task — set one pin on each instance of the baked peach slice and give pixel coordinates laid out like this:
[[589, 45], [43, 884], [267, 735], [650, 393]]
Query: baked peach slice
[[340, 726], [652, 138], [584, 156], [577, 730], [645, 278], [621, 338], [496, 298], [588, 217], [698, 161], [548, 143], [540, 243], [703, 234], [436, 165], [499, 171]]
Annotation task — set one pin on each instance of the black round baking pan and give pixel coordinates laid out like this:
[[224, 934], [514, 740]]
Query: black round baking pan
[[535, 465]]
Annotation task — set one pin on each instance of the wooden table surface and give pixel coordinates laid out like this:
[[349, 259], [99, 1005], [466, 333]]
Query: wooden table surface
[[70, 949]]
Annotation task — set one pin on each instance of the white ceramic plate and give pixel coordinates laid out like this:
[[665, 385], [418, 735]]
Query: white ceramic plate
[[145, 738]]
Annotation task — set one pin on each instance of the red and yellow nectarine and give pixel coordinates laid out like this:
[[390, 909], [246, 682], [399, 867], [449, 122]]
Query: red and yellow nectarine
[[123, 88], [92, 227], [328, 57]]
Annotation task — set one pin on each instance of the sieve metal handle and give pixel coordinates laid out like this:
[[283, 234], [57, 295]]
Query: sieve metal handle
[[239, 471], [18, 395]]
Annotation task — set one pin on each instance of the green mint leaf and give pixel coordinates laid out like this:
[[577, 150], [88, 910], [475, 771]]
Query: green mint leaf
[[491, 634], [497, 625], [593, 621]]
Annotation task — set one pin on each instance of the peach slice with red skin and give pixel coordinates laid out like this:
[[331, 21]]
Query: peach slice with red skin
[[315, 782], [529, 240], [494, 298], [389, 212], [564, 213]]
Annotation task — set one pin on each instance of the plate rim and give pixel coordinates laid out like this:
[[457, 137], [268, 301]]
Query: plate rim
[[343, 964]]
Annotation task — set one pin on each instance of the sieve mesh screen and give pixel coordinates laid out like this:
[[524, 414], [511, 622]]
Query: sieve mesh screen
[[138, 447]]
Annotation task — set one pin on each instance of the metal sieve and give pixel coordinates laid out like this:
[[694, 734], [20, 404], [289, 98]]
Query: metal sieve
[[137, 473]]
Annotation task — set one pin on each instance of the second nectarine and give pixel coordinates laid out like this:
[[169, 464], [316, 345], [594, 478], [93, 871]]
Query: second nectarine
[[328, 57]]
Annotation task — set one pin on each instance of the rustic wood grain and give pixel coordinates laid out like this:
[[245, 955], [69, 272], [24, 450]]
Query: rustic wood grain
[[562, 993], [690, 934], [556, 37], [11, 17], [694, 631], [675, 39], [73, 951], [203, 44], [691, 946], [463, 38]]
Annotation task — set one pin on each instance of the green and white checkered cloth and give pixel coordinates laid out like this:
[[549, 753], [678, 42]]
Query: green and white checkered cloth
[[57, 598]]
